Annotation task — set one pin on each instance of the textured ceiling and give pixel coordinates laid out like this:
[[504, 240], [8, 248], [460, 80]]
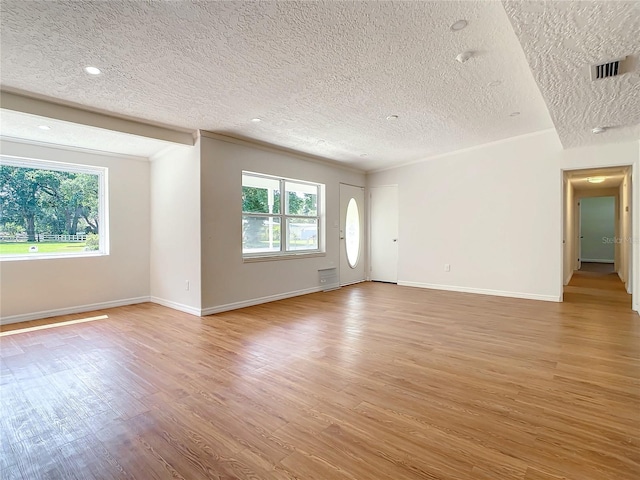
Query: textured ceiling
[[18, 125], [323, 76], [560, 40]]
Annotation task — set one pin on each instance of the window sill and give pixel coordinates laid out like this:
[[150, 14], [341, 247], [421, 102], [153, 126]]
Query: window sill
[[282, 256], [45, 256]]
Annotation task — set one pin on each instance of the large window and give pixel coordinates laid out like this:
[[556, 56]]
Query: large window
[[51, 209], [279, 216]]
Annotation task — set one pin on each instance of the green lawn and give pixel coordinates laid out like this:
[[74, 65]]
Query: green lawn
[[17, 248]]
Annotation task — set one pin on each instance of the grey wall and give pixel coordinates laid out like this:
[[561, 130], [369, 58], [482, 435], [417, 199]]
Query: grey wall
[[229, 282]]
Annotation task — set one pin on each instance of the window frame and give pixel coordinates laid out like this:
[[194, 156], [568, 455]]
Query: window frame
[[283, 216], [103, 204]]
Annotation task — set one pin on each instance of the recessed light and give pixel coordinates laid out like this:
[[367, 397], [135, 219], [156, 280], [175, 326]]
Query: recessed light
[[363, 155], [92, 70], [256, 120], [392, 117], [321, 141], [459, 25], [514, 114], [598, 130], [495, 83], [44, 127], [596, 179]]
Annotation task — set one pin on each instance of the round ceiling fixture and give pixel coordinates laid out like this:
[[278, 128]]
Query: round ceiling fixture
[[514, 114], [596, 179], [92, 70], [598, 130], [459, 25], [495, 83], [392, 117], [256, 120], [44, 127]]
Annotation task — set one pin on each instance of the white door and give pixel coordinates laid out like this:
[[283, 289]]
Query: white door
[[352, 257], [384, 233]]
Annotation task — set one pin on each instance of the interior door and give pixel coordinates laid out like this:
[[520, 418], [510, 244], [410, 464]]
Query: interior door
[[352, 258], [384, 233]]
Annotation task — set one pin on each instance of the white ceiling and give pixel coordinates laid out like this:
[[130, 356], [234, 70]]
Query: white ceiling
[[18, 125], [561, 40], [323, 76], [613, 178]]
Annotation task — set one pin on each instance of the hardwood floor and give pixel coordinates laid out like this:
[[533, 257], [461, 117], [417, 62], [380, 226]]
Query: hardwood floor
[[372, 381]]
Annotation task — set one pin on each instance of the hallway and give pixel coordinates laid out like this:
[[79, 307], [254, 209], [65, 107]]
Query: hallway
[[598, 288]]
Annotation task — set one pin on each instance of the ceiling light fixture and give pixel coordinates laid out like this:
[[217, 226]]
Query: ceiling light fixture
[[392, 117], [92, 70], [596, 179], [464, 56], [598, 130], [459, 25], [363, 155], [256, 120], [44, 127], [514, 114], [495, 83]]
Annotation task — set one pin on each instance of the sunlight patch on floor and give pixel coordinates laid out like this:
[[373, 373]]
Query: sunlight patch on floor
[[52, 325]]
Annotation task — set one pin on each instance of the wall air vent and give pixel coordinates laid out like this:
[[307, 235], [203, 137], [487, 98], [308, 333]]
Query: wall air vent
[[607, 69]]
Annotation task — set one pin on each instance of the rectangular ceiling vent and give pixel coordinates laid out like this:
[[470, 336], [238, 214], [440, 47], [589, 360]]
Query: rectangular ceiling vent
[[607, 69]]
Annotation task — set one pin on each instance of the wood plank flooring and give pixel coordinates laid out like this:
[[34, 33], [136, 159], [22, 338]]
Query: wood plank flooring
[[372, 381]]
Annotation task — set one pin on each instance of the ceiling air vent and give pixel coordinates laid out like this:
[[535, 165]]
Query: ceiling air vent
[[607, 69]]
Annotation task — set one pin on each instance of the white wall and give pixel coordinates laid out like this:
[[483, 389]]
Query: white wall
[[494, 213], [597, 222], [46, 287], [175, 229], [569, 237], [227, 281], [625, 232]]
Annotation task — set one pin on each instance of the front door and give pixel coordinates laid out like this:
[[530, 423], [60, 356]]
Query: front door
[[351, 234]]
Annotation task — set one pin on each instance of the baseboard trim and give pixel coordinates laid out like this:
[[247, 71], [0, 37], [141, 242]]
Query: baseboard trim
[[257, 301], [483, 291], [176, 306], [25, 317], [596, 260]]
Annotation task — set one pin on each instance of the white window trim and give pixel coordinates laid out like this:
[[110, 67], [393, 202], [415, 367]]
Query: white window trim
[[283, 254], [103, 201]]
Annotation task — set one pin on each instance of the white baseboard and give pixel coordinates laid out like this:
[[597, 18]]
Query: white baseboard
[[596, 260], [25, 317], [483, 291], [176, 306], [258, 301]]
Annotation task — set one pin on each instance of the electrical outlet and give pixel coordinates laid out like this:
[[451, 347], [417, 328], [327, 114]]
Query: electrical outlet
[[186, 285], [447, 267]]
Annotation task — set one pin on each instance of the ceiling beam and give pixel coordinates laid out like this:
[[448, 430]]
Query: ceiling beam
[[44, 108]]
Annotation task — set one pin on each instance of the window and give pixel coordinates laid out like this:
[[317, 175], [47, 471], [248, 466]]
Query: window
[[51, 209], [279, 216]]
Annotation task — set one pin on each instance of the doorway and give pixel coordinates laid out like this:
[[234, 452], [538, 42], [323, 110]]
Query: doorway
[[352, 258], [597, 230], [384, 233], [597, 234]]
